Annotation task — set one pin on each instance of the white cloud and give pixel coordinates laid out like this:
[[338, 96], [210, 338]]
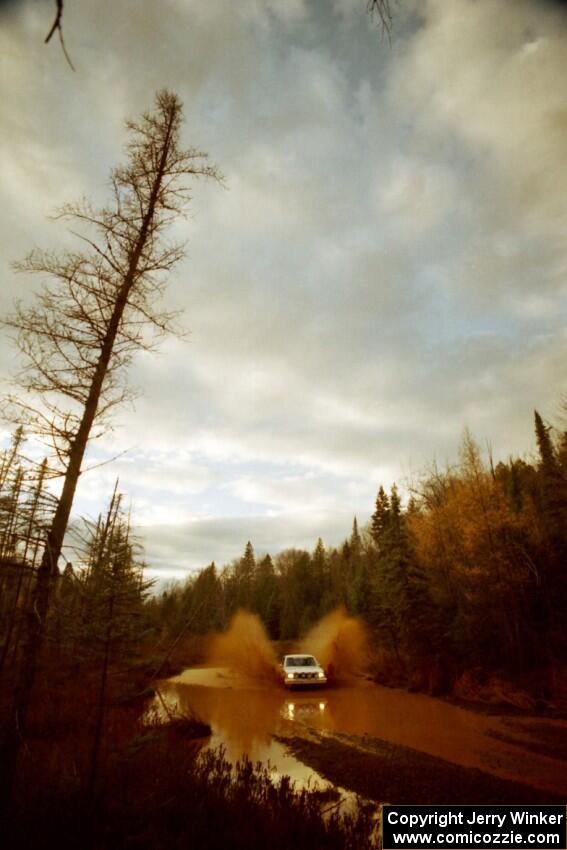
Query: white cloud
[[387, 265], [494, 75]]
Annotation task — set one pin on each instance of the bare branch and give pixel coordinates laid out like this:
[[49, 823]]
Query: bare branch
[[57, 25], [57, 21], [383, 10]]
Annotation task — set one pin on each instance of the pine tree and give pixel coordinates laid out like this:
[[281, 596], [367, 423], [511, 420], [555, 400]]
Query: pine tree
[[553, 485], [562, 453], [514, 489], [395, 518], [380, 517], [204, 611], [548, 459], [400, 604], [113, 591], [355, 539], [25, 509], [319, 559], [248, 562], [553, 501], [244, 575], [266, 597]]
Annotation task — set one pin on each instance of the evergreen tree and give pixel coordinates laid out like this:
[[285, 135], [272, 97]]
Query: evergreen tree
[[400, 606], [299, 593], [393, 525], [354, 571], [553, 504], [562, 453], [266, 596], [244, 575], [514, 488], [114, 591], [112, 587], [202, 611], [248, 562], [322, 578], [548, 458], [25, 510], [319, 560], [355, 539], [380, 517], [553, 486]]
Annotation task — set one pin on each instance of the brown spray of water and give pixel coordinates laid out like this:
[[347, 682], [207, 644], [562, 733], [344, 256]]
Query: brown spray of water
[[340, 644], [338, 641], [245, 648]]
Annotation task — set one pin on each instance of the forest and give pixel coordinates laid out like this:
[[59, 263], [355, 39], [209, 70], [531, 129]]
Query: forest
[[462, 591], [463, 583]]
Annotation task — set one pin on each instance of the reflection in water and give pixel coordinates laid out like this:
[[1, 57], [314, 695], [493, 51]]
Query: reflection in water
[[244, 715], [242, 719], [305, 709]]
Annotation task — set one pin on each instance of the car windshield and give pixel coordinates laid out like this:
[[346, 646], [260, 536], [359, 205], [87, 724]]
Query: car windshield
[[301, 661]]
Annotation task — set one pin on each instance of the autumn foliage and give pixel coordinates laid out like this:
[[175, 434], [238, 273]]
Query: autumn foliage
[[461, 589]]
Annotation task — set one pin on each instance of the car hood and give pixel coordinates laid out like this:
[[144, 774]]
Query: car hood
[[304, 669]]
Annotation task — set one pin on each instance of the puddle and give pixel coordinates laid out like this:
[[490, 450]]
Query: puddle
[[244, 718], [244, 715]]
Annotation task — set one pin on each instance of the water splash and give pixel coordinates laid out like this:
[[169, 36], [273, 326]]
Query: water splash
[[340, 643], [245, 648]]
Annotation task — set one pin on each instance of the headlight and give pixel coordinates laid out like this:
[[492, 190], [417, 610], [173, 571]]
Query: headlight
[[290, 675], [321, 675]]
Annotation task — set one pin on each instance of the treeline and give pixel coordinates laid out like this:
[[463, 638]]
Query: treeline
[[97, 605], [97, 623], [26, 507], [470, 574]]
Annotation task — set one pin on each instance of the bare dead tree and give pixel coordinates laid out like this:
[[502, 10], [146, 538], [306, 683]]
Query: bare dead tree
[[99, 307]]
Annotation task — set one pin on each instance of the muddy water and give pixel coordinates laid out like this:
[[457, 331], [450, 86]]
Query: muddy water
[[244, 715]]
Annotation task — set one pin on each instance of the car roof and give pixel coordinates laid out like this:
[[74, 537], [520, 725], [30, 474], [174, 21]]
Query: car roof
[[300, 655]]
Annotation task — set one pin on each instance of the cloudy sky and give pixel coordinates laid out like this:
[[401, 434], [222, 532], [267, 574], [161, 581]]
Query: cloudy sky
[[386, 266]]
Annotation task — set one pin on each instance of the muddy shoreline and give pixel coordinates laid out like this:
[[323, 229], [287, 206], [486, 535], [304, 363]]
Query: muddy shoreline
[[382, 771]]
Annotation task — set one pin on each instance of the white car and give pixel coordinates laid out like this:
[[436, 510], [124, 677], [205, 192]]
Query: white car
[[302, 669]]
